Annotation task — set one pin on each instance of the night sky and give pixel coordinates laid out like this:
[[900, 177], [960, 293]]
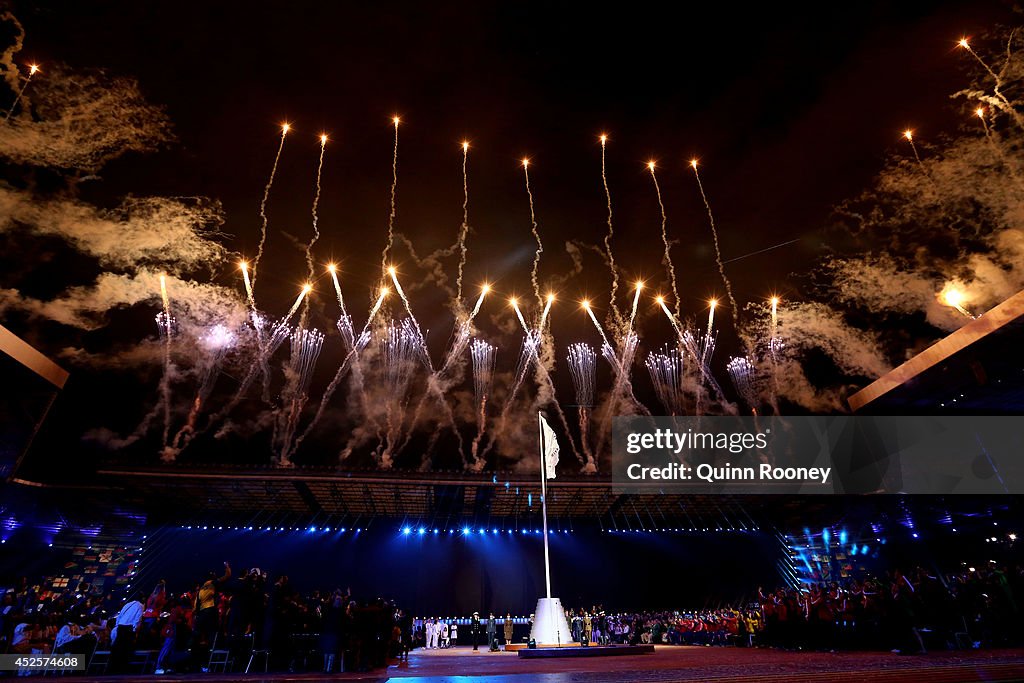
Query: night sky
[[789, 111]]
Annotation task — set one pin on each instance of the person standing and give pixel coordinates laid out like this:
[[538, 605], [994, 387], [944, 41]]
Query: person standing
[[453, 633], [429, 632], [206, 618], [445, 634], [122, 638], [492, 633], [474, 629], [588, 628], [508, 629]]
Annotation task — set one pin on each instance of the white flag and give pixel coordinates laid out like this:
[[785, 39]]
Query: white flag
[[550, 454]]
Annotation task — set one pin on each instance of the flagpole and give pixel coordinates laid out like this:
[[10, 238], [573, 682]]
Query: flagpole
[[544, 502]]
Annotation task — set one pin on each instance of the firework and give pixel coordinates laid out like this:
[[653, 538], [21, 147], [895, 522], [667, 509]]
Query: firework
[[997, 82], [316, 206], [305, 349], [954, 297], [583, 367], [425, 354], [745, 379], [536, 235], [484, 356], [165, 381], [33, 69], [263, 207], [514, 303], [638, 287], [585, 304], [611, 231], [464, 228], [908, 135], [667, 258], [394, 187], [547, 309], [582, 361], [667, 370], [718, 251]]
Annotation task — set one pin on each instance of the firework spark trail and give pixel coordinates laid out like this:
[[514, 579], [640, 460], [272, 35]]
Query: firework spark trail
[[345, 320], [996, 82], [257, 325], [608, 237], [996, 148], [590, 312], [216, 343], [636, 303], [536, 235], [263, 207], [718, 252], [484, 356], [412, 317], [744, 377], [244, 266], [527, 354], [708, 347], [351, 360], [464, 228], [305, 349], [909, 136], [696, 349], [582, 361], [391, 216], [544, 314], [165, 381], [315, 210], [32, 70], [773, 328], [400, 348], [266, 346], [667, 372], [667, 258], [519, 314]]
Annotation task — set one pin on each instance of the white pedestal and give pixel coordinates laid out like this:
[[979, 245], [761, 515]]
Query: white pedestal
[[549, 624]]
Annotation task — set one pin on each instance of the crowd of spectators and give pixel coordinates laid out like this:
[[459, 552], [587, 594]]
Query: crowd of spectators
[[248, 617], [251, 615], [904, 612]]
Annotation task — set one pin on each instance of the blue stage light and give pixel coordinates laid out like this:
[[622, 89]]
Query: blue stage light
[[342, 529], [406, 530], [435, 531], [494, 531], [422, 531], [466, 530], [483, 531]]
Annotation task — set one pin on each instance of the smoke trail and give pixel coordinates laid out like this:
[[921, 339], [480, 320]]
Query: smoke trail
[[316, 205], [608, 237], [667, 258], [351, 357], [263, 205], [305, 349], [536, 236], [165, 382], [464, 229], [391, 216], [217, 342], [31, 72], [718, 252]]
